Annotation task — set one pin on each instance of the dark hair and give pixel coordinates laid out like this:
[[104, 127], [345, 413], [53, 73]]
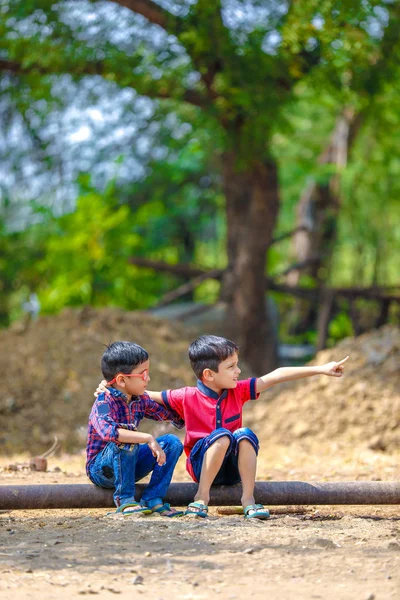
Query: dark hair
[[122, 357], [208, 351]]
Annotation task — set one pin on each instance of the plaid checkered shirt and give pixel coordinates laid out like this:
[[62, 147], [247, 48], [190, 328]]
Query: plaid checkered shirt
[[112, 411]]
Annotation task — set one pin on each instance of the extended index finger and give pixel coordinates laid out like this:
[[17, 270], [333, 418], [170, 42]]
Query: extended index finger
[[341, 362]]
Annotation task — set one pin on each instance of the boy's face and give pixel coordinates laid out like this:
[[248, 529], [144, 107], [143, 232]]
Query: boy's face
[[227, 375], [135, 386]]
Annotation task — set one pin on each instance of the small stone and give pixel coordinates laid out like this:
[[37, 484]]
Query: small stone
[[38, 463], [377, 443], [138, 580], [371, 597], [248, 551], [394, 546], [147, 553], [325, 543]]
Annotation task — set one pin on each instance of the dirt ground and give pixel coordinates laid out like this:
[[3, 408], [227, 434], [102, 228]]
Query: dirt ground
[[320, 552]]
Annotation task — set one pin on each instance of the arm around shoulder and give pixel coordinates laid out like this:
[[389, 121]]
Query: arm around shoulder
[[156, 396]]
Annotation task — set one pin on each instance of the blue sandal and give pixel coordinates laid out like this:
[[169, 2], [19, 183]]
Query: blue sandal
[[259, 512], [136, 508], [201, 512], [166, 508]]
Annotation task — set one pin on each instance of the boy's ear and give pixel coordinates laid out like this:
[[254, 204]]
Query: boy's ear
[[120, 381], [208, 375]]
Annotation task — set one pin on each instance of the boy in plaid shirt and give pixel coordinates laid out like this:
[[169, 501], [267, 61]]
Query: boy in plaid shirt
[[117, 454]]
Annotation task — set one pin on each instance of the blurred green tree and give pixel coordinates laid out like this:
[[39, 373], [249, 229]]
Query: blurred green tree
[[240, 62]]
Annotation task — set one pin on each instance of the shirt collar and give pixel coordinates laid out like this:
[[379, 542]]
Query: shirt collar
[[209, 392], [116, 394]]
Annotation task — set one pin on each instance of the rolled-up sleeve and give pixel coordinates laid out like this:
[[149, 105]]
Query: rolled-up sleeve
[[247, 389], [103, 421], [155, 411]]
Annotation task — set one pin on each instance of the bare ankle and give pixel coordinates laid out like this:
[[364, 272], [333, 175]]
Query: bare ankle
[[200, 497], [247, 501]]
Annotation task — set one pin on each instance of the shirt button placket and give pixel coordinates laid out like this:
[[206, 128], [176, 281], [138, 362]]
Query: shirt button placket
[[218, 415]]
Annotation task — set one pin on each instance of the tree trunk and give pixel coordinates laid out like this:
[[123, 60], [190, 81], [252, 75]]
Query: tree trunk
[[252, 204], [318, 208], [318, 212]]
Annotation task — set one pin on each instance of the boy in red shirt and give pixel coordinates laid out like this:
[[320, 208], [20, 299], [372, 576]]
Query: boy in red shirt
[[218, 449]]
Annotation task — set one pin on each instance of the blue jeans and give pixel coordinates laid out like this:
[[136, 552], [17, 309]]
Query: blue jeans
[[118, 468], [229, 471]]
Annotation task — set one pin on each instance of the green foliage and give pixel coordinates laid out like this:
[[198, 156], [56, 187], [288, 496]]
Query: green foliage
[[230, 91], [83, 256], [19, 254], [339, 328], [179, 205], [86, 257]]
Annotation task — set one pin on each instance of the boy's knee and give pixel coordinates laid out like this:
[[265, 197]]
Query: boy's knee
[[224, 438], [129, 449], [244, 434]]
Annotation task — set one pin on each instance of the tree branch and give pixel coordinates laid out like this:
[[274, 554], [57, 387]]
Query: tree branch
[[185, 288], [158, 91], [181, 269], [153, 13], [185, 270], [297, 266], [174, 25], [289, 234]]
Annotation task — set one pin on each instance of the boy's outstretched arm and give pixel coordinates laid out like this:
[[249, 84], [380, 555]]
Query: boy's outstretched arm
[[333, 369]]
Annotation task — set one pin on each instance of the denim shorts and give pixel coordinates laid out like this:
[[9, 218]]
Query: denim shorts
[[229, 471]]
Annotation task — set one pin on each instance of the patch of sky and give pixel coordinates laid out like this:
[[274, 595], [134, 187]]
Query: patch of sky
[[318, 22], [311, 43], [4, 7], [32, 25], [376, 23], [102, 121], [178, 8], [246, 15], [271, 42], [87, 136], [337, 44], [192, 78], [101, 24], [181, 130], [159, 153], [80, 135]]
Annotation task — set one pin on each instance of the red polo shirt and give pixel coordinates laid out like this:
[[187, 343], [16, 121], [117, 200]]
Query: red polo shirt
[[204, 411]]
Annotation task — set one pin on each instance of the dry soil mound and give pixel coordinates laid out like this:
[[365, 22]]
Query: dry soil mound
[[51, 369], [360, 409]]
